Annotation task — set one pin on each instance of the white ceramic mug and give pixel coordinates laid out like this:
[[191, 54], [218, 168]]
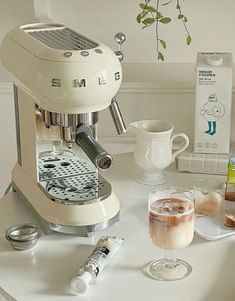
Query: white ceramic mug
[[153, 151]]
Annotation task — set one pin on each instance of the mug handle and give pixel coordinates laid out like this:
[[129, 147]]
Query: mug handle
[[183, 147]]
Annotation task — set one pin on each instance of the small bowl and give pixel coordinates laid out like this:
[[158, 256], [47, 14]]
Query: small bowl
[[23, 236], [209, 196]]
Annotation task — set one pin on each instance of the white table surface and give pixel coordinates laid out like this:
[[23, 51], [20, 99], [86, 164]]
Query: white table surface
[[44, 272]]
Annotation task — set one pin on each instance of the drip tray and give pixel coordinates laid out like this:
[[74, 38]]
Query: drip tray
[[69, 180]]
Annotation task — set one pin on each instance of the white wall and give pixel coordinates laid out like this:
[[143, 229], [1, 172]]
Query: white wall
[[211, 24], [14, 13], [7, 134]]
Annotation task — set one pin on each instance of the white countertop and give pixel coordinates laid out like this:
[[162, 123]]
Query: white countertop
[[44, 272]]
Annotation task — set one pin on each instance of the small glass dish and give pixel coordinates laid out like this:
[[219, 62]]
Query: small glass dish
[[23, 236], [209, 196]]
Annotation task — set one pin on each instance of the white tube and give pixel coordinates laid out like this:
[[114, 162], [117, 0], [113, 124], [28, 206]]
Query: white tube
[[105, 249]]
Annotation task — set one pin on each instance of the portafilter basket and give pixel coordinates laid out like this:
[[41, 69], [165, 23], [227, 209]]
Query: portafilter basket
[[23, 236]]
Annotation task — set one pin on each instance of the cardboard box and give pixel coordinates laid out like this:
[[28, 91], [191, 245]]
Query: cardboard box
[[230, 185], [213, 103]]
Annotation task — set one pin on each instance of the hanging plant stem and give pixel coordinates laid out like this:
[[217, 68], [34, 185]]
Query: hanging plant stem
[[159, 54], [184, 20], [150, 15]]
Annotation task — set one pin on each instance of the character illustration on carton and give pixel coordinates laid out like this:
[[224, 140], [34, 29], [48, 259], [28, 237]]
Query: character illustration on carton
[[212, 111]]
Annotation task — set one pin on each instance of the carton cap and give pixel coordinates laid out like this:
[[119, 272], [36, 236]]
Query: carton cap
[[80, 283], [214, 60]]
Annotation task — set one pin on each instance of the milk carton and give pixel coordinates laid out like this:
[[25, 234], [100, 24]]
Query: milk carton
[[213, 103]]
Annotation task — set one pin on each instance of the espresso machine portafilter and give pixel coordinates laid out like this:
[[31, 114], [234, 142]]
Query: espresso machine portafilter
[[69, 78], [80, 129]]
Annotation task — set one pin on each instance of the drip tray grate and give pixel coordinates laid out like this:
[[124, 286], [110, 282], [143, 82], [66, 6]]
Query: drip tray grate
[[69, 180]]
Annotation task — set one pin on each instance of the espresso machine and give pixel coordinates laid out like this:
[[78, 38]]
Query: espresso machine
[[62, 79]]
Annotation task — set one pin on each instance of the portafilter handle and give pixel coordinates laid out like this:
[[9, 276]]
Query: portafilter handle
[[97, 154], [117, 117]]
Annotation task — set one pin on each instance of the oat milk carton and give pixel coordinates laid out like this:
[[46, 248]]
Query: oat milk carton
[[213, 102]]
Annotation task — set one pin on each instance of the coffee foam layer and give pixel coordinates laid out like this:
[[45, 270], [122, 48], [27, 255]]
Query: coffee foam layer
[[171, 206], [171, 211]]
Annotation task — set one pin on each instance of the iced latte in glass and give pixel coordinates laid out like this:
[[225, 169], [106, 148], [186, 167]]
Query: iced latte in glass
[[171, 227]]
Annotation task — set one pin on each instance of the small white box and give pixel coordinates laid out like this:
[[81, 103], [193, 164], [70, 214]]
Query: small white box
[[216, 164], [213, 103]]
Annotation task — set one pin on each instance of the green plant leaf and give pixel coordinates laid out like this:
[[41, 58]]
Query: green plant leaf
[[148, 21], [158, 15], [160, 56], [144, 13], [163, 43], [180, 16], [138, 18], [147, 7], [189, 40], [142, 5], [165, 20], [151, 9]]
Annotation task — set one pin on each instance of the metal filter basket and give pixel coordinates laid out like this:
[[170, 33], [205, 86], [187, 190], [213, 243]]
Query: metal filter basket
[[23, 236]]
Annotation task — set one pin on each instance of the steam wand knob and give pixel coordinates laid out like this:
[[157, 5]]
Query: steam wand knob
[[120, 39]]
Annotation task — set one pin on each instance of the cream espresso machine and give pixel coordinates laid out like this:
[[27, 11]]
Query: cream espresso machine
[[62, 79]]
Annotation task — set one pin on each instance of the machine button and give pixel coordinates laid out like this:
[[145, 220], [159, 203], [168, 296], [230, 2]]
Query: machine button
[[68, 54], [98, 51], [84, 53]]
